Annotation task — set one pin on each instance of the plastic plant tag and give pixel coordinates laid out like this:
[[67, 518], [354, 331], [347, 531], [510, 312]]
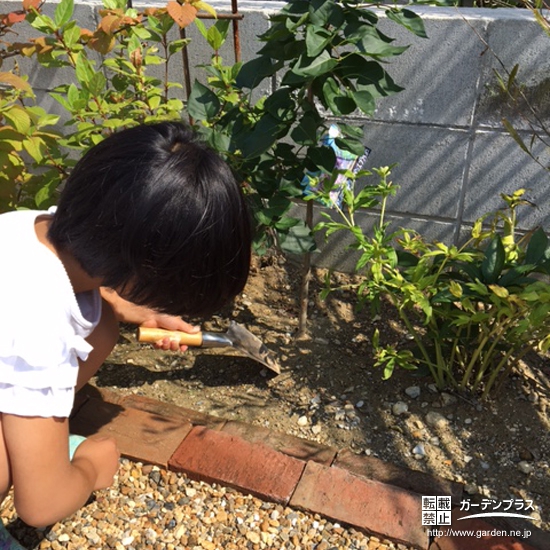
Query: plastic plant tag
[[313, 181]]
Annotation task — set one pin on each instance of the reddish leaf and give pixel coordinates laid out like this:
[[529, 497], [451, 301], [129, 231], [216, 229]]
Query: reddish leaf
[[102, 42], [13, 18], [29, 4], [110, 23], [182, 14], [15, 82]]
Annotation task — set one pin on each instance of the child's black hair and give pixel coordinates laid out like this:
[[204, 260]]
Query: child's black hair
[[155, 214]]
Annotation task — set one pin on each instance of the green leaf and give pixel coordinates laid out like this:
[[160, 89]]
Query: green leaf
[[18, 118], [97, 84], [281, 105], [493, 260], [254, 71], [203, 103], [320, 12], [305, 132], [298, 240], [376, 44], [512, 131], [514, 276], [217, 33], [202, 28], [84, 69], [538, 248], [176, 46], [317, 38], [408, 19], [285, 223], [36, 148], [63, 12], [314, 67], [263, 137], [323, 158], [337, 99], [364, 101], [41, 22], [71, 34]]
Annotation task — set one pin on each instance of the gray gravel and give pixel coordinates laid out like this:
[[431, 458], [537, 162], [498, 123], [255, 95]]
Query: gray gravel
[[149, 508]]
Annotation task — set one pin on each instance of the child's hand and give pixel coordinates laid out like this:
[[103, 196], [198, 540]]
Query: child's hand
[[104, 455], [142, 316], [169, 322]]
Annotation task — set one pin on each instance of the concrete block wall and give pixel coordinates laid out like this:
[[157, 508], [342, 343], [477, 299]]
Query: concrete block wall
[[444, 133]]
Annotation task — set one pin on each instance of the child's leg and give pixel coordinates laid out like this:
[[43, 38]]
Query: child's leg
[[103, 339]]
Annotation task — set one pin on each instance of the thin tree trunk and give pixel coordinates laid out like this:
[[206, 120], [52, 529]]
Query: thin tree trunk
[[306, 278]]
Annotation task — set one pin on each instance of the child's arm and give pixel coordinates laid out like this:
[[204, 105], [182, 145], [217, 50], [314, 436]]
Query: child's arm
[[47, 486], [127, 312]]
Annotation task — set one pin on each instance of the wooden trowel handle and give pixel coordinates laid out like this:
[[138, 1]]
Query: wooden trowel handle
[[151, 335]]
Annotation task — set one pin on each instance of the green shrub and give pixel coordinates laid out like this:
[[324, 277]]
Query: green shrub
[[112, 85], [472, 311]]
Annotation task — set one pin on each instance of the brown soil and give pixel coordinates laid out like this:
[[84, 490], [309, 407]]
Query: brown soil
[[329, 392]]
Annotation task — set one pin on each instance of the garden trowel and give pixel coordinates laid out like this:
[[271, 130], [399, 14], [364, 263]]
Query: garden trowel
[[236, 337]]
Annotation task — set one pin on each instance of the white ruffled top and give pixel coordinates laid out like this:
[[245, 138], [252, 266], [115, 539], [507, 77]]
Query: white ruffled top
[[43, 324]]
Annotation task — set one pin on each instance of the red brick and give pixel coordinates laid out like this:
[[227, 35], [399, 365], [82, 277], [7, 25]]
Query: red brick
[[286, 444], [419, 482], [140, 435], [381, 509], [214, 456], [480, 541]]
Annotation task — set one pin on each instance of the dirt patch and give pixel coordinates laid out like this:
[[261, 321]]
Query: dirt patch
[[329, 392]]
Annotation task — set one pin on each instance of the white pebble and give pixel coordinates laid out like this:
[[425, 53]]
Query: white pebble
[[303, 421], [399, 408], [413, 391]]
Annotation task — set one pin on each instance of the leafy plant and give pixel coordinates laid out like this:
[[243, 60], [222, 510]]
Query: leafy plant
[[472, 311], [113, 83], [328, 60], [27, 138]]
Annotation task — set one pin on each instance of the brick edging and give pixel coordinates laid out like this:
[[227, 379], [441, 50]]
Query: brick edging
[[362, 491]]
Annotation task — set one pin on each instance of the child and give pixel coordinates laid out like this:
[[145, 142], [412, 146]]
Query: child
[[150, 226]]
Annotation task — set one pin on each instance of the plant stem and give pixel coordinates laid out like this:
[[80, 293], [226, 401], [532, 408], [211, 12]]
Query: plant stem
[[306, 278], [496, 371], [433, 368], [489, 354]]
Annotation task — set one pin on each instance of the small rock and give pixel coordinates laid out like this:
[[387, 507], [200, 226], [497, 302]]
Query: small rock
[[525, 467], [447, 399], [399, 408], [419, 451], [436, 420], [413, 391], [360, 404], [303, 421], [253, 537]]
